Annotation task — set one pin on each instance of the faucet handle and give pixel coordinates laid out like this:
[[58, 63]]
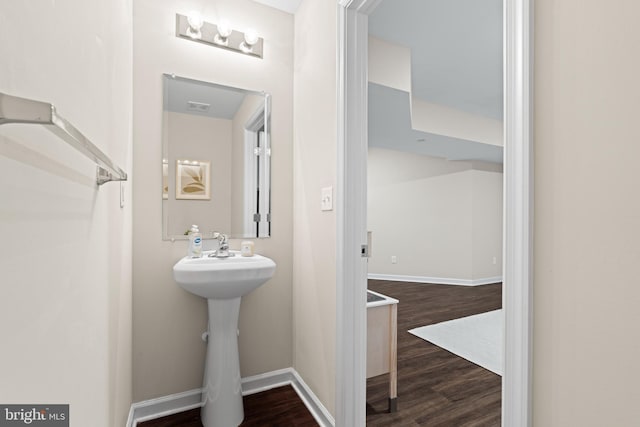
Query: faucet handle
[[223, 245], [222, 238]]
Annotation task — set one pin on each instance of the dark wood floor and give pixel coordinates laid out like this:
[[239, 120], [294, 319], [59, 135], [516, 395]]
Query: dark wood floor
[[278, 407], [436, 388]]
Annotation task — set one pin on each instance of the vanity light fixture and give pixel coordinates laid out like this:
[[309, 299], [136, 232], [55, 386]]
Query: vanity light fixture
[[193, 27]]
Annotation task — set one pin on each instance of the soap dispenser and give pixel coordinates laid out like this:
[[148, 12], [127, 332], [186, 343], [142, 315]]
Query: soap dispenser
[[195, 242]]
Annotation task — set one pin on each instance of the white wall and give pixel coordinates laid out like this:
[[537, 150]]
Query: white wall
[[440, 219], [587, 214], [486, 225], [389, 64], [168, 352], [65, 258], [315, 153]]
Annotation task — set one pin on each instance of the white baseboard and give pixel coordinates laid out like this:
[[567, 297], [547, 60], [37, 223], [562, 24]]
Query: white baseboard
[[311, 401], [436, 280], [180, 402], [163, 406]]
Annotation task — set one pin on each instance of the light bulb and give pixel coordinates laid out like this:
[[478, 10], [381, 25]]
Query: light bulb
[[195, 20], [195, 24], [251, 37], [224, 29]]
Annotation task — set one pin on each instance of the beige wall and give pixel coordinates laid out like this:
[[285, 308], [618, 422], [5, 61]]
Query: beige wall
[[441, 219], [201, 138], [587, 214], [65, 258], [315, 151], [168, 353]]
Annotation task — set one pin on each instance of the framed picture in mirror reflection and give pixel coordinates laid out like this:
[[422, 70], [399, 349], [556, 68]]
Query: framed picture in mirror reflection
[[193, 180]]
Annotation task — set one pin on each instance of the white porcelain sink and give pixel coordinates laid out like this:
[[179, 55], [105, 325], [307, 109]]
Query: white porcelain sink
[[223, 278], [222, 281]]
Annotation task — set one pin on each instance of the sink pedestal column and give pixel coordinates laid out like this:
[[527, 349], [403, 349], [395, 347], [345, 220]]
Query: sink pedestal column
[[222, 391]]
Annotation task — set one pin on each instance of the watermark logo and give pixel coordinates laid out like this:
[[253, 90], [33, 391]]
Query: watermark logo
[[34, 415]]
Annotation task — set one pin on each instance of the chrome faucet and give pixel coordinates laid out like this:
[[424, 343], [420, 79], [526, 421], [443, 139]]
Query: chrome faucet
[[223, 245]]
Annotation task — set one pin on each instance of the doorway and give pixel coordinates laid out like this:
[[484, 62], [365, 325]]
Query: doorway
[[434, 209], [352, 269]]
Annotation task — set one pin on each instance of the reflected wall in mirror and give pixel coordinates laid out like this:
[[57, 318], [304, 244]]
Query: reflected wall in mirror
[[215, 160]]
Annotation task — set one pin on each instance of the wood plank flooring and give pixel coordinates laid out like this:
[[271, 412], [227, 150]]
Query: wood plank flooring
[[278, 407], [436, 388]]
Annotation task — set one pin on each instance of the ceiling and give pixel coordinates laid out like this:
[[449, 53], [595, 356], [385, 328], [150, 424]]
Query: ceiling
[[456, 49], [456, 61], [290, 6], [223, 101]]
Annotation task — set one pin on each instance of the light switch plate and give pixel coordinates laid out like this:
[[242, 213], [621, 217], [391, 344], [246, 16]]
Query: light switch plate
[[326, 200]]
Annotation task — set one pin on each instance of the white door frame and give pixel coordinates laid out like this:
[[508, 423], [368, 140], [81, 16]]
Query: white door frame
[[351, 213]]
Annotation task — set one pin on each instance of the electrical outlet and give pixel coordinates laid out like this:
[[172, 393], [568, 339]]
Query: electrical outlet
[[495, 260], [394, 259]]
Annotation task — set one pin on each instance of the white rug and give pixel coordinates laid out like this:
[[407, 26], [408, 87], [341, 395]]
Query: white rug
[[477, 338]]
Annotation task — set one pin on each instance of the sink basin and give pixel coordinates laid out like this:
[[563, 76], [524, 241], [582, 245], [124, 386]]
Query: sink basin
[[223, 278], [223, 282]]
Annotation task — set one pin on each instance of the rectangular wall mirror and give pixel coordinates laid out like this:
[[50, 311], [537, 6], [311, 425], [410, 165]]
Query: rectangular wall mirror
[[216, 169]]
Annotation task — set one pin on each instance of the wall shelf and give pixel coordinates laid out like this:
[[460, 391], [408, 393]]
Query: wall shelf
[[26, 111]]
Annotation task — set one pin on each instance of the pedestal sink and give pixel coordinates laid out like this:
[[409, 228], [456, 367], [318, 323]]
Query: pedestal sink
[[222, 281]]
